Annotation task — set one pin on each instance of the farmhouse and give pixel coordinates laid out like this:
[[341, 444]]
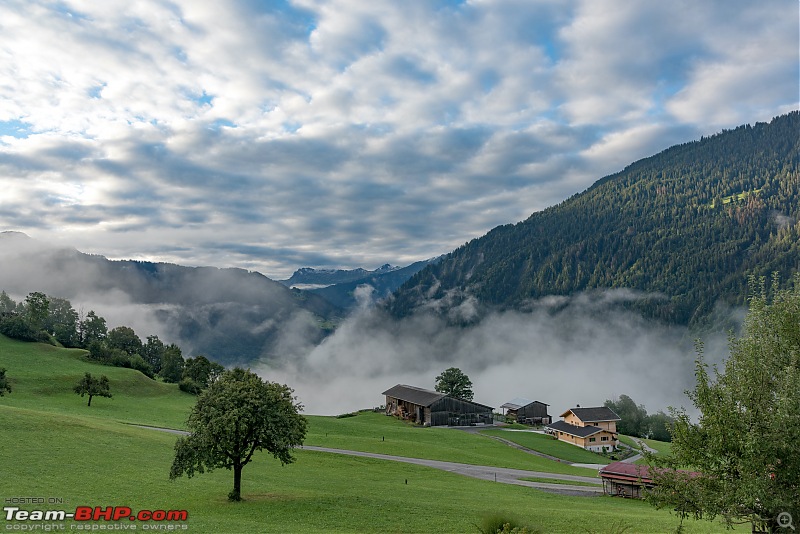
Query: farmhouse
[[527, 411], [593, 429], [625, 480], [432, 408]]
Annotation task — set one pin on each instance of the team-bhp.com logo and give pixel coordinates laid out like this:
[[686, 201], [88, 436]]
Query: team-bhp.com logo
[[96, 513]]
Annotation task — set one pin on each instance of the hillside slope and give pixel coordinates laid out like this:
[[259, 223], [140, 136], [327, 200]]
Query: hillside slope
[[231, 315], [686, 227]]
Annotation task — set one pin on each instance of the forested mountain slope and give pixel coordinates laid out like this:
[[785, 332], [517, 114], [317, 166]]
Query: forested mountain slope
[[686, 227]]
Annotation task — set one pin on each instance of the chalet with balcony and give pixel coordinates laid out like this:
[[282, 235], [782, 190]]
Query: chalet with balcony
[[593, 429]]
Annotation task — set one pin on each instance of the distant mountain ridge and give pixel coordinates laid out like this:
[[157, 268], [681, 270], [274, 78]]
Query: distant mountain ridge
[[684, 227], [308, 276], [230, 315], [383, 281]]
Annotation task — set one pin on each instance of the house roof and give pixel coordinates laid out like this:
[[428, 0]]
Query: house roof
[[599, 413], [579, 431], [519, 402], [414, 395]]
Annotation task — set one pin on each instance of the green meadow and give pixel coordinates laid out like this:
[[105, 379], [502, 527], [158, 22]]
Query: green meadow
[[547, 445], [54, 446]]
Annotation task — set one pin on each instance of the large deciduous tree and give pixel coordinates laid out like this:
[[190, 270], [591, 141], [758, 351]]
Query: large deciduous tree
[[171, 364], [237, 415], [455, 383], [124, 339], [93, 387], [62, 322], [92, 328], [634, 417], [36, 307], [743, 448]]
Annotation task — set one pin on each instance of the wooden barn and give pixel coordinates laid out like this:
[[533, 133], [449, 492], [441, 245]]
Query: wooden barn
[[626, 480], [432, 408], [527, 411]]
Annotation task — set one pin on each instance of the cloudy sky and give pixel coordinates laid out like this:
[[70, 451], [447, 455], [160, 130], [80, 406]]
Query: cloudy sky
[[272, 135]]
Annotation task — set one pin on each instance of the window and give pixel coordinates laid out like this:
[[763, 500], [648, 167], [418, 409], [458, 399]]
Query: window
[[604, 438], [591, 440]]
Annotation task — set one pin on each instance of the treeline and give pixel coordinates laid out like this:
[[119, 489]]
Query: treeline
[[686, 227], [53, 320], [638, 423]]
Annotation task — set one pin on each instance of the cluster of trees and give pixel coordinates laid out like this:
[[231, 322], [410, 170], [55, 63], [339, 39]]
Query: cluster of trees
[[661, 226], [51, 319], [637, 422]]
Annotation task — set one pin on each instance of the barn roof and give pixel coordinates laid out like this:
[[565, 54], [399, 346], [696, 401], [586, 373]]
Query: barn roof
[[599, 413], [519, 402], [579, 431], [626, 472], [414, 395], [423, 397]]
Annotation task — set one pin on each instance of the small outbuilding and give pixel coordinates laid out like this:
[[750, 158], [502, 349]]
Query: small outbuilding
[[426, 407], [626, 480], [527, 411]]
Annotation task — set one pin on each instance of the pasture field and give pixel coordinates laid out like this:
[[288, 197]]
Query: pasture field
[[54, 446], [547, 445], [375, 432]]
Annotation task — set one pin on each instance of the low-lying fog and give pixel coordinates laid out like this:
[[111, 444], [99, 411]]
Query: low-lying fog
[[565, 352]]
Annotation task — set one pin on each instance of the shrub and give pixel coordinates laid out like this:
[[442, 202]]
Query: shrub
[[190, 386], [16, 327], [504, 523]]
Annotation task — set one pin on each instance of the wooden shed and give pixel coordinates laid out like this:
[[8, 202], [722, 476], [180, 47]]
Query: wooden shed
[[626, 480], [432, 408], [527, 411]]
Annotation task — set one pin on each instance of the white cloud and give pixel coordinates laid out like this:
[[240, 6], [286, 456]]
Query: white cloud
[[352, 133]]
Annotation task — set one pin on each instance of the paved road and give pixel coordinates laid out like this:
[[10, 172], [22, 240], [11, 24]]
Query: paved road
[[497, 474], [642, 445], [483, 472]]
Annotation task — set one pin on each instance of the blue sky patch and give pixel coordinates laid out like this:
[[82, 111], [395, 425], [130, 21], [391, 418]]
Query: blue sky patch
[[15, 128]]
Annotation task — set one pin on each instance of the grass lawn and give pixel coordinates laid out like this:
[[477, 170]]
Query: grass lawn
[[547, 445], [375, 432], [91, 462], [627, 440], [42, 378], [662, 448], [54, 446], [556, 481]]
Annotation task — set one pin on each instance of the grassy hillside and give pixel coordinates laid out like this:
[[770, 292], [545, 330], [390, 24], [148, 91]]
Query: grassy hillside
[[548, 445], [42, 378], [371, 432], [54, 446]]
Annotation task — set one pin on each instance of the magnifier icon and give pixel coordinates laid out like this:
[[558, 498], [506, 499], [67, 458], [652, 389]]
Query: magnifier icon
[[785, 520]]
